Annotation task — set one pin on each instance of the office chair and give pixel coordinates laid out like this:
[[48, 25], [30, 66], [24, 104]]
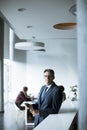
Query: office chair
[[18, 112]]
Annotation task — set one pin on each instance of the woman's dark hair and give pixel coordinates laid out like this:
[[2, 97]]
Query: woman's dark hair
[[61, 87], [25, 88]]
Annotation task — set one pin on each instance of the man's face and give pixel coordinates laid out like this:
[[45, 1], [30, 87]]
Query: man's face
[[48, 77]]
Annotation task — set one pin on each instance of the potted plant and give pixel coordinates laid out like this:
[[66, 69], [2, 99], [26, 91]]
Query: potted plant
[[73, 93]]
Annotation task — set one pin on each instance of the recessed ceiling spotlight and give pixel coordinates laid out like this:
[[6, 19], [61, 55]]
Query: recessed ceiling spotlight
[[33, 37], [65, 26], [21, 9], [29, 26]]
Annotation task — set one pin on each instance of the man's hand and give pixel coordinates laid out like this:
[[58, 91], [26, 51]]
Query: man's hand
[[34, 112], [29, 106]]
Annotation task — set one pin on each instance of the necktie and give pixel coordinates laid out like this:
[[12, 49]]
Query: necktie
[[43, 93], [46, 89]]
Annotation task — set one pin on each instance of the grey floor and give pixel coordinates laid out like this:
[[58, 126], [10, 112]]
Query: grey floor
[[8, 119]]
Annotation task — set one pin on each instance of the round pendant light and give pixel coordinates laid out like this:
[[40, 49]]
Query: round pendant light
[[65, 26], [32, 46]]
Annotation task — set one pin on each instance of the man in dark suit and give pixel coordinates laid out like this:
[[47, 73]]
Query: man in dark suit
[[49, 100]]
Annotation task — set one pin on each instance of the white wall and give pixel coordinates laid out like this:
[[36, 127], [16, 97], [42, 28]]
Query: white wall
[[17, 68], [60, 55], [17, 78], [28, 66]]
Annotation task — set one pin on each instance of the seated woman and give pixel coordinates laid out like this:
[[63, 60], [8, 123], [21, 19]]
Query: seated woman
[[63, 93], [22, 96]]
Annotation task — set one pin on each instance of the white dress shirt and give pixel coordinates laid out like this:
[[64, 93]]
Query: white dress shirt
[[48, 86]]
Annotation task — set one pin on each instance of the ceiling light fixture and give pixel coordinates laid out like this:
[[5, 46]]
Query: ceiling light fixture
[[73, 10], [21, 9], [30, 45], [65, 26], [29, 26]]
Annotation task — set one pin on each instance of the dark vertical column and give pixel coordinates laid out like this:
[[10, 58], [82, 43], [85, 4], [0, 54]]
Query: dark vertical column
[[82, 61], [1, 64]]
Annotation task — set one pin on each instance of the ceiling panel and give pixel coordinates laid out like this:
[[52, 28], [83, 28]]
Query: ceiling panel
[[38, 17]]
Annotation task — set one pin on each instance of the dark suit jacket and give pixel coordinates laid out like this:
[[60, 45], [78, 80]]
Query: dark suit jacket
[[50, 104]]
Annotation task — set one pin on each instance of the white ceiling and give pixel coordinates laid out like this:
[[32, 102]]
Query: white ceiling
[[40, 15]]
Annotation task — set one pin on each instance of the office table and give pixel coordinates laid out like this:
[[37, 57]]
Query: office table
[[27, 122]]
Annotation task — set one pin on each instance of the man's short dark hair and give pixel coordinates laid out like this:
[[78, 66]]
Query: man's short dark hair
[[49, 70]]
